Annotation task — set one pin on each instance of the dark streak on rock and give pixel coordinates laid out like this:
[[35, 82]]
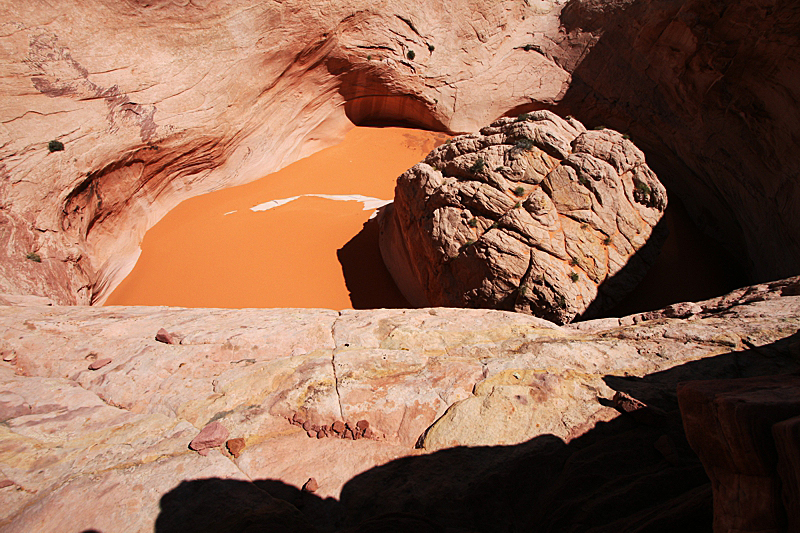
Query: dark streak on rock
[[45, 53]]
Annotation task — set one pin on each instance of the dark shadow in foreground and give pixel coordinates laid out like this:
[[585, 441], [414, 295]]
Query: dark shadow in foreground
[[632, 474], [365, 275]]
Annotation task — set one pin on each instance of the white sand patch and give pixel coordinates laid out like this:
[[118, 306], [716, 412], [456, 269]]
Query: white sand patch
[[369, 202], [229, 213], [273, 203]]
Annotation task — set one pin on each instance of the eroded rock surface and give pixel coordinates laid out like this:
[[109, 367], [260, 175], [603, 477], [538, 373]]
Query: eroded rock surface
[[535, 215], [155, 102], [113, 442]]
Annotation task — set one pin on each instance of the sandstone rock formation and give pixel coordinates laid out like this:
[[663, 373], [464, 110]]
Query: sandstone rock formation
[[536, 215], [155, 101], [158, 101], [112, 444], [740, 428]]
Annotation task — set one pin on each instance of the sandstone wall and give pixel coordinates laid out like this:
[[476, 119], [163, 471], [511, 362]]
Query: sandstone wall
[[709, 90], [161, 100]]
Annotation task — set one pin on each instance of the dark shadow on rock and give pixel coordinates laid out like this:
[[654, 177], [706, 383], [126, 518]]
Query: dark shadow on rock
[[614, 288], [632, 474], [365, 275], [659, 389], [226, 506], [720, 136], [680, 264], [689, 267]]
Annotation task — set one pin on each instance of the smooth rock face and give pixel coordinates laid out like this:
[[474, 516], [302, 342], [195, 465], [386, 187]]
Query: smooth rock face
[[535, 215], [112, 444]]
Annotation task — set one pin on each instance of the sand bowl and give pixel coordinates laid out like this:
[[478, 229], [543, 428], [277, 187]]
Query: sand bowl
[[278, 241], [303, 237]]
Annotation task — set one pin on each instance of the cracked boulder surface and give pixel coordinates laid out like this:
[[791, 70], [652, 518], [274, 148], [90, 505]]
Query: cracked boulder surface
[[534, 214], [112, 444]]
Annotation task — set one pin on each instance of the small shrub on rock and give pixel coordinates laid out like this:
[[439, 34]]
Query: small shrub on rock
[[55, 146], [523, 144], [574, 277], [411, 55], [33, 256], [478, 166], [519, 191]]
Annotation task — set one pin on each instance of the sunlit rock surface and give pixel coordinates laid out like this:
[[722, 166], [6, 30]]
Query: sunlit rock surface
[[110, 443], [533, 214]]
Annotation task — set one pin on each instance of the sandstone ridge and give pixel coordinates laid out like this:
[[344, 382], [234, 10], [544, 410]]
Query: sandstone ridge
[[112, 442]]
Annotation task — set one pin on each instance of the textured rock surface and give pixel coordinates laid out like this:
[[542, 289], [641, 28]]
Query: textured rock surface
[[729, 424], [158, 101], [536, 215], [110, 443]]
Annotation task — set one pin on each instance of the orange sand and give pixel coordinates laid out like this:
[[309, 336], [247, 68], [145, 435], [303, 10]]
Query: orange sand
[[311, 252]]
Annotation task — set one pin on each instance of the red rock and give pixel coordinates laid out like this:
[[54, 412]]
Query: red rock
[[627, 403], [235, 446], [308, 426], [311, 433], [297, 420], [348, 434], [311, 485], [369, 434], [362, 425], [321, 434], [213, 435], [666, 448], [730, 425], [640, 411], [100, 363], [338, 427], [787, 444], [165, 336], [6, 483]]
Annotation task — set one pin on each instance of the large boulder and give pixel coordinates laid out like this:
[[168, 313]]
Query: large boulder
[[534, 214]]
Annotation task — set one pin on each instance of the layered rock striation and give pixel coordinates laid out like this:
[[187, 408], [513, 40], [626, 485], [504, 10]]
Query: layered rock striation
[[533, 214]]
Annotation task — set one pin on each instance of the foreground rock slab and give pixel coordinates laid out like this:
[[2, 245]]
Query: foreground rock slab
[[535, 215], [112, 444]]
